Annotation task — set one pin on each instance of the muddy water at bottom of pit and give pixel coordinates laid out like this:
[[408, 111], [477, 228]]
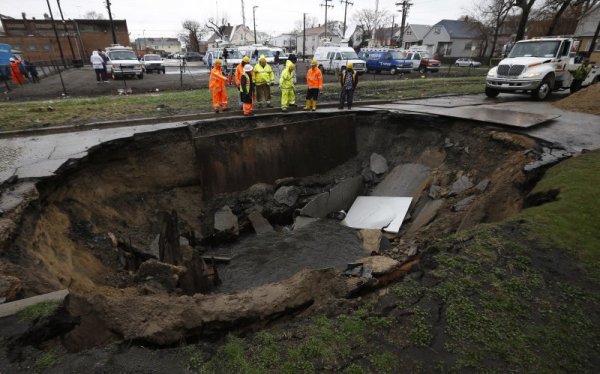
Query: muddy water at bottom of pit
[[272, 257]]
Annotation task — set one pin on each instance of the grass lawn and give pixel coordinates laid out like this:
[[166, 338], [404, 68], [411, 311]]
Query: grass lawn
[[35, 114]]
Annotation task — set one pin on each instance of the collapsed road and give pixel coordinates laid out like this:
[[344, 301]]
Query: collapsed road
[[134, 225]]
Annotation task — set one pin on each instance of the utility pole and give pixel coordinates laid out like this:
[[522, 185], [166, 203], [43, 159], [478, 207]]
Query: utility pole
[[112, 24], [326, 5], [303, 37], [62, 56], [254, 21], [66, 32], [405, 7], [243, 24], [392, 33], [346, 2]]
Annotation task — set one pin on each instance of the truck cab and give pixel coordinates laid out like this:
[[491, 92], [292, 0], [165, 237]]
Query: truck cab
[[385, 59], [536, 66]]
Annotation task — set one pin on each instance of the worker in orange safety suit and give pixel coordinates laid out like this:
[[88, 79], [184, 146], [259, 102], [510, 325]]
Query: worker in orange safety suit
[[15, 70], [314, 83], [216, 86], [247, 90], [239, 70]]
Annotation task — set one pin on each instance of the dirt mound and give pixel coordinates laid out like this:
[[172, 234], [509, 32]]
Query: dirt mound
[[585, 101]]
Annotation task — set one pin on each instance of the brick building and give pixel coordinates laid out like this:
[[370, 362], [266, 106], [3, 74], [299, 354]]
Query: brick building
[[35, 38]]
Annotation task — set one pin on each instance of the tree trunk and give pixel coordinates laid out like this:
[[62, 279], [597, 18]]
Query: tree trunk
[[594, 40], [494, 41], [557, 16], [526, 7]]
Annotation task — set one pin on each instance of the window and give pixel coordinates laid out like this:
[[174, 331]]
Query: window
[[468, 46], [437, 30]]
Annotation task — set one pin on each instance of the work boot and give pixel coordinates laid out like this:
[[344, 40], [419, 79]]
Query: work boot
[[314, 105], [307, 107], [269, 105], [216, 110], [284, 109]]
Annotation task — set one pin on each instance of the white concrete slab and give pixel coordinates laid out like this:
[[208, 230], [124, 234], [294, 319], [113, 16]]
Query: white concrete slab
[[378, 212], [14, 307]]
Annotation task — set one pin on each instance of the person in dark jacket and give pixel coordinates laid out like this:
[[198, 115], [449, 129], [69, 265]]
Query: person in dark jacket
[[348, 82], [247, 90]]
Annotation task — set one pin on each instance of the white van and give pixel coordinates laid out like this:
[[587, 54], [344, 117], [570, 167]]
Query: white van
[[249, 50], [334, 59], [122, 62], [234, 57]]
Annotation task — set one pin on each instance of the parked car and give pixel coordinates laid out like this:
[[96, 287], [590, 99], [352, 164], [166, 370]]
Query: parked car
[[467, 62], [334, 59], [422, 61], [193, 56], [123, 62], [153, 63], [385, 59]]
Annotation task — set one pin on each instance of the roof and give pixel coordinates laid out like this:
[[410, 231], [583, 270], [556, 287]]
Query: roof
[[225, 30], [315, 31], [419, 31], [460, 29]]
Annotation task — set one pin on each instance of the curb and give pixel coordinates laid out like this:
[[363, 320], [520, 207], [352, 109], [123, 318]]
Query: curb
[[155, 120]]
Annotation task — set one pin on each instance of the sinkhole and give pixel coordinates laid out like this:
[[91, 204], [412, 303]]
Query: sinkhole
[[192, 231]]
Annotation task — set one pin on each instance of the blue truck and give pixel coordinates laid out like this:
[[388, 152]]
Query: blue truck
[[385, 59], [5, 55]]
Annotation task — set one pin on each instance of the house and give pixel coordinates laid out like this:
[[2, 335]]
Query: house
[[78, 38], [284, 41], [452, 39], [151, 45], [316, 37], [414, 34], [386, 36], [231, 35], [586, 28]]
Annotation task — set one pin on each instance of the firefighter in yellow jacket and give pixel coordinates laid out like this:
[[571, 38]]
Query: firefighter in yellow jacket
[[263, 80], [314, 83], [286, 83]]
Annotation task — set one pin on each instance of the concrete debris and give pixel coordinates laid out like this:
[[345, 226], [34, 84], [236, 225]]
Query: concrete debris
[[375, 212], [404, 180], [153, 249], [368, 176], [166, 275], [435, 192], [287, 195], [548, 157], [412, 251], [426, 215], [259, 190], [483, 185], [448, 143], [463, 204], [378, 164], [371, 241], [340, 197], [375, 271], [7, 227], [461, 184], [113, 240], [10, 287], [226, 221], [260, 223], [301, 222]]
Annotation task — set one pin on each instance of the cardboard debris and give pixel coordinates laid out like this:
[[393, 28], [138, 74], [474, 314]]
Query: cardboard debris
[[378, 212]]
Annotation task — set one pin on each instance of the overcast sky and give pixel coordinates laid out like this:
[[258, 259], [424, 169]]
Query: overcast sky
[[156, 18]]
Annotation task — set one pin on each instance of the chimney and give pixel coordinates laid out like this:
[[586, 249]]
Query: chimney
[[24, 15]]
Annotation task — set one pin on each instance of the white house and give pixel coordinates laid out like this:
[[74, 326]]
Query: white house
[[451, 38], [585, 32]]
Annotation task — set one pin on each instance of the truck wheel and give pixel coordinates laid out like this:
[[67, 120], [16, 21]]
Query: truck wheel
[[543, 91], [491, 92], [393, 71]]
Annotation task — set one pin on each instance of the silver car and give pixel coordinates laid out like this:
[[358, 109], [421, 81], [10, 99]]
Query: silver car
[[467, 62]]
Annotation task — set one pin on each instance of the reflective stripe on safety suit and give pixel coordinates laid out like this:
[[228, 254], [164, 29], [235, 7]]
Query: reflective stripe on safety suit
[[286, 83], [314, 78], [216, 86], [263, 79]]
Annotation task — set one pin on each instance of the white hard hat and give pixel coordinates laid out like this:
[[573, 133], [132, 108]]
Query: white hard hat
[[248, 67], [12, 59]]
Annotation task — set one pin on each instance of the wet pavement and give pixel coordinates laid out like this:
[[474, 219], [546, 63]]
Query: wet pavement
[[40, 156]]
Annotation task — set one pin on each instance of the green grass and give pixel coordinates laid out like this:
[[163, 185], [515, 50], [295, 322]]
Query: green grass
[[572, 221], [39, 310], [36, 114], [45, 361]]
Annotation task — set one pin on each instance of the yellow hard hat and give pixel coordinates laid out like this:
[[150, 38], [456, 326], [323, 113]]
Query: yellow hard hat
[[349, 65], [313, 62], [262, 58], [218, 62], [246, 59], [291, 65]]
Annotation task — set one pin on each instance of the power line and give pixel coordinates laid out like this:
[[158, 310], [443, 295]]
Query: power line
[[326, 5], [346, 2], [405, 7]]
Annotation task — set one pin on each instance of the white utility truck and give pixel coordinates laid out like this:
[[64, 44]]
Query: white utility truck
[[537, 66]]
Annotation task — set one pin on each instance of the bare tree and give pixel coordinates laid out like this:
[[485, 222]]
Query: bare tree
[[369, 20], [192, 34], [526, 6], [216, 25], [492, 15], [310, 23], [93, 15], [557, 8]]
